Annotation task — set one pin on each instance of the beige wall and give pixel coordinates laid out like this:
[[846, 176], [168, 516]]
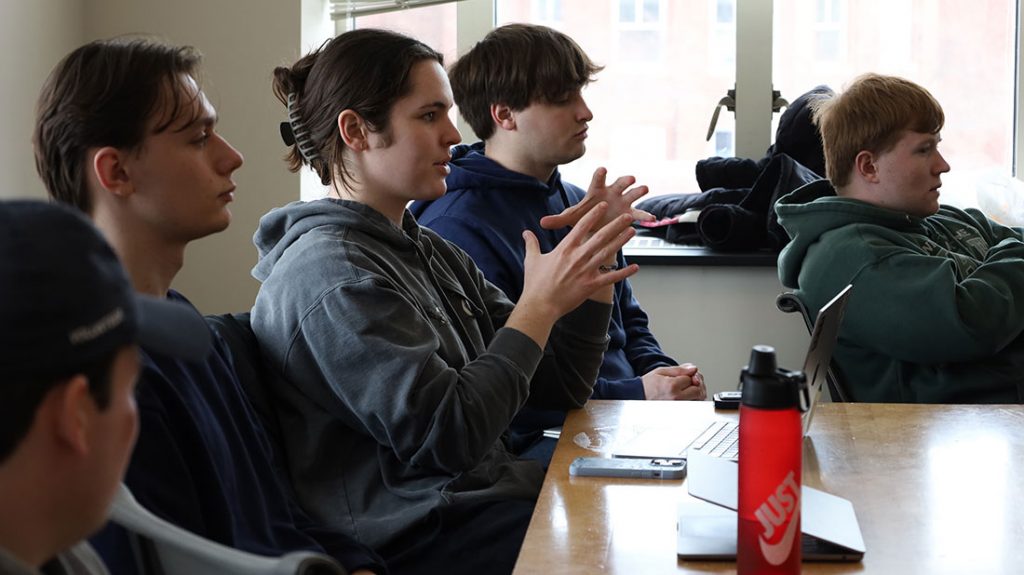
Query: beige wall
[[712, 316], [242, 40], [34, 34]]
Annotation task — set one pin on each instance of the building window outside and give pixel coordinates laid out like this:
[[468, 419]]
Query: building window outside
[[722, 36], [641, 30], [436, 26], [547, 12], [964, 53], [828, 30], [724, 146], [650, 120]]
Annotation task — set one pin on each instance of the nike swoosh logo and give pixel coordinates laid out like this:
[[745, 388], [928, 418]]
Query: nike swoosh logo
[[778, 553]]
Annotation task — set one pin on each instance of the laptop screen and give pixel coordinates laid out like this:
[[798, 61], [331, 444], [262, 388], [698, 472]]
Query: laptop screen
[[705, 434], [819, 351]]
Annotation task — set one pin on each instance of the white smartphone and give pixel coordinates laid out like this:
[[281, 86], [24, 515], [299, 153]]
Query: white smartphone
[[626, 467]]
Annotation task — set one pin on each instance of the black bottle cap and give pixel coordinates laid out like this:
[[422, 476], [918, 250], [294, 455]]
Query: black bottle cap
[[765, 386], [762, 361]]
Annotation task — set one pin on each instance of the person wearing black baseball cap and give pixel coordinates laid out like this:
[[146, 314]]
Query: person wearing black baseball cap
[[125, 134], [71, 327]]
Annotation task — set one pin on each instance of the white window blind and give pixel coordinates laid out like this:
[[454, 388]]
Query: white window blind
[[342, 9]]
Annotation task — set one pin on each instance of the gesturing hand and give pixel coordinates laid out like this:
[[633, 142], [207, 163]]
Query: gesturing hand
[[619, 197], [571, 272], [559, 281]]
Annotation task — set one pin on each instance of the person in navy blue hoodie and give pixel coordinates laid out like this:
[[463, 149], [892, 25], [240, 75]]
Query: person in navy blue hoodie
[[125, 134], [520, 90]]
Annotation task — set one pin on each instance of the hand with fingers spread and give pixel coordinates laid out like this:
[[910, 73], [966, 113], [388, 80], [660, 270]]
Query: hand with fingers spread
[[580, 267], [619, 197], [675, 383]]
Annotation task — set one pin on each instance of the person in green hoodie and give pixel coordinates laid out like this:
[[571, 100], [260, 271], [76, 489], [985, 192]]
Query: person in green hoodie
[[934, 316]]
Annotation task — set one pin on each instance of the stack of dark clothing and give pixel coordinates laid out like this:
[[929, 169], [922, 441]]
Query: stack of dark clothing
[[738, 195]]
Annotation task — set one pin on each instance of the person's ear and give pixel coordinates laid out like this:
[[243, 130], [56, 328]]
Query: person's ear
[[110, 170], [73, 407], [866, 167], [503, 116], [353, 130]]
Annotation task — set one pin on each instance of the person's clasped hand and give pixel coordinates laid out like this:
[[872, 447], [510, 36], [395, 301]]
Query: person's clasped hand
[[680, 382]]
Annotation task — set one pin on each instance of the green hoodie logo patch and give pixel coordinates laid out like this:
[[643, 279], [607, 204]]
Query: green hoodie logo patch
[[964, 264]]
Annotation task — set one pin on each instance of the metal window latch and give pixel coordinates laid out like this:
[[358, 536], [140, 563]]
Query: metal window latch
[[778, 102], [729, 103]]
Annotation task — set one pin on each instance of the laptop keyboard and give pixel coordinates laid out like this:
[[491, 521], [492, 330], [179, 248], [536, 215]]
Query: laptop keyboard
[[720, 439]]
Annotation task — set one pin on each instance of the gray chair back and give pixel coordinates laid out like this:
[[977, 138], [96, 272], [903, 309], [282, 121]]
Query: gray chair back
[[790, 302], [166, 549], [236, 331]]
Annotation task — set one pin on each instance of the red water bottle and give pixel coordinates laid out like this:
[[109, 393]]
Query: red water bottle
[[768, 537]]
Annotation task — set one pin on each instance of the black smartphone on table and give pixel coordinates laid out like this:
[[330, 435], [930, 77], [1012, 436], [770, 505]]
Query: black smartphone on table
[[728, 399]]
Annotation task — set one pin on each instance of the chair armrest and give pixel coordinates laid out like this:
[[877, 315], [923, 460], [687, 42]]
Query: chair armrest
[[180, 551], [788, 302]]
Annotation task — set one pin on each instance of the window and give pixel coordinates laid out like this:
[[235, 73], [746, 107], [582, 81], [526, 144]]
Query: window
[[640, 30], [829, 25], [723, 143], [963, 53], [668, 63], [435, 26], [547, 12], [722, 37], [650, 120]]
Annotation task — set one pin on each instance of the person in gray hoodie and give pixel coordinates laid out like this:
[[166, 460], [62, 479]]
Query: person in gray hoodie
[[398, 366]]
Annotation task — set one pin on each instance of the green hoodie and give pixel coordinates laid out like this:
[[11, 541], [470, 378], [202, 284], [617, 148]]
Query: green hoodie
[[937, 307]]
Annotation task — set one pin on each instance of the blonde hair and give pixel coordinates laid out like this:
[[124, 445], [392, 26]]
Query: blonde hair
[[871, 114]]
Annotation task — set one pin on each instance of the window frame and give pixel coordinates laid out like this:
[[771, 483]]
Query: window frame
[[638, 24], [753, 131]]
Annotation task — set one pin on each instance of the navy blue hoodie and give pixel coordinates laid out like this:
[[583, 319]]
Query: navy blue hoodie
[[485, 211], [203, 462]]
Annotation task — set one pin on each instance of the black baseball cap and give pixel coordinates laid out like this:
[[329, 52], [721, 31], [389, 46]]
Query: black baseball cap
[[65, 299]]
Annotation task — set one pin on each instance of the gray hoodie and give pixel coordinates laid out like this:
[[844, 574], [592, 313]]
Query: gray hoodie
[[395, 376]]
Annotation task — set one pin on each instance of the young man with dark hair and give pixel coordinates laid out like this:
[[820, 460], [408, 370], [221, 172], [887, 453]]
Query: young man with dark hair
[[933, 317], [69, 359], [520, 89], [125, 133]]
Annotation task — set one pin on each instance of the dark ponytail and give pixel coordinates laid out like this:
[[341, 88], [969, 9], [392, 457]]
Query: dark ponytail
[[289, 81]]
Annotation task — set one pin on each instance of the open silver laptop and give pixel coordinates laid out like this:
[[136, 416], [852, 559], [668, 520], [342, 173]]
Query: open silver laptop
[[720, 437], [706, 521]]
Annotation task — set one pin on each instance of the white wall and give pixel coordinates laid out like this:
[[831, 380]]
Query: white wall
[[712, 316], [34, 35], [241, 41]]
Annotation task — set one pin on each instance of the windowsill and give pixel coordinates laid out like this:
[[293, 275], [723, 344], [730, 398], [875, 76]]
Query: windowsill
[[647, 250]]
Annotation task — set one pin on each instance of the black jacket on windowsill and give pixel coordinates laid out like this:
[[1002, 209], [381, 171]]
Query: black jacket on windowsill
[[738, 195]]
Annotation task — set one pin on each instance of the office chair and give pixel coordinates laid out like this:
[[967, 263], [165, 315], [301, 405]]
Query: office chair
[[236, 331], [789, 302], [162, 548]]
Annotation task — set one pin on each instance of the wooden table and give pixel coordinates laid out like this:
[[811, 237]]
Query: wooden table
[[936, 488]]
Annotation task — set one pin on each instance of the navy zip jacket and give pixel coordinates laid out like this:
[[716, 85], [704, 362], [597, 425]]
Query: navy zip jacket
[[485, 211], [204, 463]]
